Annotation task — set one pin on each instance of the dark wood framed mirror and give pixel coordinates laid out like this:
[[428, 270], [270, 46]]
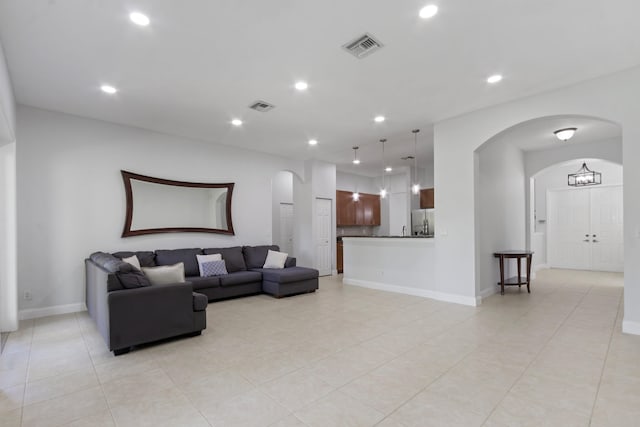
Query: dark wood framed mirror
[[156, 205]]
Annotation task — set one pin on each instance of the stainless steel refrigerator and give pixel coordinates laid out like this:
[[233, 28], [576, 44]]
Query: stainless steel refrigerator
[[423, 222]]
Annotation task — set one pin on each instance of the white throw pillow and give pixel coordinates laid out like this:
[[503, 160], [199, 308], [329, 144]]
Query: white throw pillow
[[207, 258], [165, 274], [133, 260], [275, 259]]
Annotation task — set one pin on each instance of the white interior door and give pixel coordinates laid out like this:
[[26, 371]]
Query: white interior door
[[584, 229], [606, 229], [323, 236], [286, 228]]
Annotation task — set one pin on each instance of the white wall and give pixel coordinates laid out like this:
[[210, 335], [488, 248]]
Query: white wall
[[500, 209], [8, 245], [282, 192], [72, 202], [8, 242], [7, 104], [612, 97]]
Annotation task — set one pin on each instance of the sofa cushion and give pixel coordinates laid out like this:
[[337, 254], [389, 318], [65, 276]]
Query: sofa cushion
[[132, 279], [204, 282], [199, 302], [185, 256], [146, 258], [233, 258], [288, 275], [108, 262], [165, 274], [206, 258], [275, 259], [213, 268], [240, 278], [255, 256], [133, 260]]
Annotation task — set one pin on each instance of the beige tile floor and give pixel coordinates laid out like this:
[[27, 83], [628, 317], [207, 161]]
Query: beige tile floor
[[345, 356]]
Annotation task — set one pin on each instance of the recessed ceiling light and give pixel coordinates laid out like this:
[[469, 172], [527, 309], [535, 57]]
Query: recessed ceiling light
[[301, 85], [108, 89], [428, 11], [388, 169], [494, 79], [139, 19], [379, 119], [236, 122], [313, 142]]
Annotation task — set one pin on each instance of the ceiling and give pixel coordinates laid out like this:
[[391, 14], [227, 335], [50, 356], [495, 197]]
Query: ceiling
[[201, 63]]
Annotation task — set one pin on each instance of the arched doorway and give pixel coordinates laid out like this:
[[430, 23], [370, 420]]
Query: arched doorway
[[504, 166]]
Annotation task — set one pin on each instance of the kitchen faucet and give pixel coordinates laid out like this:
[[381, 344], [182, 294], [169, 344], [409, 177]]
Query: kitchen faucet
[[403, 227]]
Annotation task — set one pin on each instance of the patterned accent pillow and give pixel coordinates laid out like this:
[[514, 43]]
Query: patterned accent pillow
[[213, 268]]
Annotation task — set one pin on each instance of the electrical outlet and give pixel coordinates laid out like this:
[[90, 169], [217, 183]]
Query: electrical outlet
[[28, 296]]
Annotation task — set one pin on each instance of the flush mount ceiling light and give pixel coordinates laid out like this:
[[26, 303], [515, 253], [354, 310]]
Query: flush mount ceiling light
[[383, 188], [583, 177], [565, 134], [379, 119], [494, 79], [415, 188], [356, 161], [428, 11], [139, 19], [388, 169], [301, 86], [236, 122], [313, 142], [108, 89]]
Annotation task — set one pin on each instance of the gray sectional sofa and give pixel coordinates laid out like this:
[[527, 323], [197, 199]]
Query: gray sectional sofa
[[129, 312]]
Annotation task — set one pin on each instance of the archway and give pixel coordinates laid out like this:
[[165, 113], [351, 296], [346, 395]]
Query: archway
[[504, 166]]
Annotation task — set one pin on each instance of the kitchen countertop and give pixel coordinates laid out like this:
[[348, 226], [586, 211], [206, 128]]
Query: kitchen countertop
[[430, 236]]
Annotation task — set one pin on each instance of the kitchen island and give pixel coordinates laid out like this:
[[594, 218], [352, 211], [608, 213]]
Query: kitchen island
[[396, 264]]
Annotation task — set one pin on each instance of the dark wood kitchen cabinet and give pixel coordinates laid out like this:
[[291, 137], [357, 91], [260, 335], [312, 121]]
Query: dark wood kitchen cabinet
[[365, 211], [339, 257], [427, 198]]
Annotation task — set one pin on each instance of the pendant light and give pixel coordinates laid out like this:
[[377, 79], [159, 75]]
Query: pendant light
[[356, 161], [383, 190], [415, 188], [583, 177]]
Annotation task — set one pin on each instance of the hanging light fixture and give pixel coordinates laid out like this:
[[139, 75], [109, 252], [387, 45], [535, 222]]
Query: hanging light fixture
[[356, 161], [415, 188], [383, 190], [584, 176], [565, 134]]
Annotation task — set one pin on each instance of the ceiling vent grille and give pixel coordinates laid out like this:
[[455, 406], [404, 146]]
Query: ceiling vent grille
[[407, 158], [262, 106], [363, 46]]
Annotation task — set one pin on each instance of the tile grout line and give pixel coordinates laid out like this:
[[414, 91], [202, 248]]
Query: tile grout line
[[24, 392], [604, 363], [535, 358]]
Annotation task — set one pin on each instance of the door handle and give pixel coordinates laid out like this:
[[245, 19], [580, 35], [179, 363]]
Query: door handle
[[594, 241], [586, 240], [586, 235]]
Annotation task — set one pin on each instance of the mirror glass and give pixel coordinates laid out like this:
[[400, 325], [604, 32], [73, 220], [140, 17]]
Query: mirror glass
[[156, 205]]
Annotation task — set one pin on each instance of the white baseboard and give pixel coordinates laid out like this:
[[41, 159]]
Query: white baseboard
[[440, 296], [34, 313], [629, 327], [486, 294]]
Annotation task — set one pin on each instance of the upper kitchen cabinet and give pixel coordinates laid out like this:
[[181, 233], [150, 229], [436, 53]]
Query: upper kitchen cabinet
[[427, 198], [366, 211]]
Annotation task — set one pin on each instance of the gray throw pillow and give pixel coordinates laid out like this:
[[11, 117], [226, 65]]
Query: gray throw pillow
[[132, 279]]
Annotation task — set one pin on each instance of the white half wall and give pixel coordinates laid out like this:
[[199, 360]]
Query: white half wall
[[613, 98], [71, 199], [282, 192]]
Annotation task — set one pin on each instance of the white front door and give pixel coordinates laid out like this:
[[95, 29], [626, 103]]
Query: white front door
[[606, 229], [585, 228], [286, 228], [323, 236]]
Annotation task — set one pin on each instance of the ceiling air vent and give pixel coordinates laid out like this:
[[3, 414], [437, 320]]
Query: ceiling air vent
[[407, 158], [363, 46], [262, 106]]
